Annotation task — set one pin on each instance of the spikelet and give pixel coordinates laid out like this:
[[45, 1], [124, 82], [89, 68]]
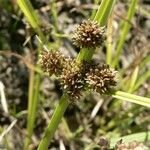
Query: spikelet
[[72, 80], [89, 35], [51, 62], [101, 78]]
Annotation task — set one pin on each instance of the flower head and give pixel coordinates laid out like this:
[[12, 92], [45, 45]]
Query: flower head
[[101, 78], [88, 34], [51, 62], [72, 80]]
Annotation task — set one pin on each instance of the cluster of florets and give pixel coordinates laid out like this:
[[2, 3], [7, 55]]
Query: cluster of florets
[[76, 77], [89, 35], [100, 78], [51, 62], [71, 80]]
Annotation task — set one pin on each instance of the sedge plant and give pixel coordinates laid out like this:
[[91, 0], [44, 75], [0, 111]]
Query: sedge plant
[[85, 54], [84, 73]]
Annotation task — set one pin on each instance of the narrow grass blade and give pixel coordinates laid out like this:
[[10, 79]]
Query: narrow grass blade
[[109, 41], [132, 98], [54, 14], [133, 79], [94, 10], [142, 79], [126, 27], [29, 12], [34, 21], [139, 137], [7, 130], [102, 16], [100, 10], [31, 16], [30, 103], [145, 61]]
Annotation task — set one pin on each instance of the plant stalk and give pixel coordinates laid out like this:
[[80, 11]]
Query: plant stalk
[[104, 11], [85, 54], [54, 122]]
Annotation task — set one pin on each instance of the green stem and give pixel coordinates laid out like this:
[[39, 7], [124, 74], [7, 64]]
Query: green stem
[[145, 61], [132, 98], [133, 79], [32, 109], [30, 101], [85, 54], [53, 124], [100, 10], [142, 79], [32, 17], [104, 11], [94, 10], [54, 14], [109, 42], [34, 21]]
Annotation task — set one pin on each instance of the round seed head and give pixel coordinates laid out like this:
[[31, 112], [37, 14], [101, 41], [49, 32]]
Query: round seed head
[[89, 35], [51, 62], [72, 80], [101, 78]]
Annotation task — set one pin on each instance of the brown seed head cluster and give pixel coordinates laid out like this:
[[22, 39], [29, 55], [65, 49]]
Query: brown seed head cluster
[[77, 77], [51, 62], [72, 80], [101, 78], [89, 35]]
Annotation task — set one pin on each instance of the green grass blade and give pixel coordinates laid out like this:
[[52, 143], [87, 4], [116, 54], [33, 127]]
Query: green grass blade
[[54, 14], [101, 10], [133, 79], [109, 42], [35, 23], [30, 101], [32, 108], [96, 2], [126, 27], [132, 98], [29, 12], [145, 61], [142, 79], [106, 13], [139, 137]]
